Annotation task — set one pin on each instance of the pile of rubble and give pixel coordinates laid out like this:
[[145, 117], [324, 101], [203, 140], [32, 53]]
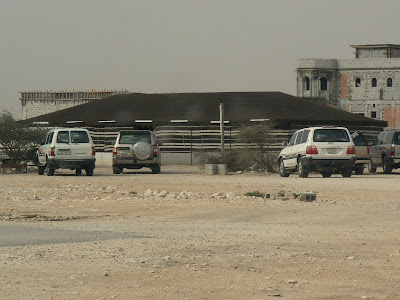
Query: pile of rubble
[[281, 195]]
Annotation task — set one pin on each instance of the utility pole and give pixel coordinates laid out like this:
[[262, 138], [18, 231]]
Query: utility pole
[[221, 125]]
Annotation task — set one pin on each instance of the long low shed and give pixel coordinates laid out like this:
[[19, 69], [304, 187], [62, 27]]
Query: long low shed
[[186, 122]]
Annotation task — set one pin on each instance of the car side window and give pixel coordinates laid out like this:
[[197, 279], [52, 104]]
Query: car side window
[[396, 139], [298, 138], [49, 137], [305, 136], [293, 139], [381, 138], [63, 137], [388, 138], [46, 140], [359, 139]]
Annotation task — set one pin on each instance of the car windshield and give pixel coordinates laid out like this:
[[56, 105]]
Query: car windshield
[[331, 135], [79, 137], [359, 139], [134, 137]]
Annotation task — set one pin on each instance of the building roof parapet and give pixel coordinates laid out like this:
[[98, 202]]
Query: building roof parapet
[[369, 63], [350, 63], [317, 63], [70, 95], [374, 46]]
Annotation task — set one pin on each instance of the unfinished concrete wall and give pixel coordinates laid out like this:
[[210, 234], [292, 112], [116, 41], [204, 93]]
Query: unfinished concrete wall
[[368, 85], [36, 103]]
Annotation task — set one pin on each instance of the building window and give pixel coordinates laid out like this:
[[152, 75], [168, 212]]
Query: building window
[[324, 84], [374, 82], [307, 83], [373, 114], [358, 82], [389, 82]]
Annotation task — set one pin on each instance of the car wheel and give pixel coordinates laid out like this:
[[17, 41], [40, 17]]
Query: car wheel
[[50, 171], [282, 169], [346, 173], [40, 170], [300, 169], [371, 167], [156, 169], [117, 170], [387, 167], [78, 171], [326, 174], [89, 171], [359, 170]]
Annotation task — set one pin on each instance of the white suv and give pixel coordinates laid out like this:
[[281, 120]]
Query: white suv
[[67, 148], [318, 149]]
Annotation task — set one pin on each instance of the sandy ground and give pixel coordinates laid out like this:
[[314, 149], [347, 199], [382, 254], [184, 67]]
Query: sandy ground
[[197, 237]]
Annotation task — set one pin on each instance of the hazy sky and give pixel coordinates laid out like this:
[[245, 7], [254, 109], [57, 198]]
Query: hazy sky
[[178, 45]]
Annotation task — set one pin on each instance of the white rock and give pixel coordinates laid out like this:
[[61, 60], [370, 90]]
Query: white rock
[[230, 195], [162, 194], [148, 193]]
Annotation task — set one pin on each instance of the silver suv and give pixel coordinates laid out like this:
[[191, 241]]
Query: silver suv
[[136, 149], [385, 152]]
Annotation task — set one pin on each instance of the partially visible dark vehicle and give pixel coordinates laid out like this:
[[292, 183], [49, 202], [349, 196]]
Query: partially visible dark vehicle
[[385, 152], [362, 152]]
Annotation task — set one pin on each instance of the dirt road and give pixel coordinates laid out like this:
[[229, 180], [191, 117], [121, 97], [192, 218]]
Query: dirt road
[[184, 235]]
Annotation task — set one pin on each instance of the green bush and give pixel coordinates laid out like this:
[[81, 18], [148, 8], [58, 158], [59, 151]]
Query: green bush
[[240, 160], [18, 139], [255, 153], [255, 194]]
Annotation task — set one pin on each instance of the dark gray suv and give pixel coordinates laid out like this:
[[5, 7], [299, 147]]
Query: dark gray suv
[[136, 149], [385, 152]]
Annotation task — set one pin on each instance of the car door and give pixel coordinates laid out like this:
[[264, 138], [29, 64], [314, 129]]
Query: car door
[[376, 148], [396, 144], [361, 145], [288, 154], [302, 143], [332, 143], [62, 147], [44, 149], [297, 146], [80, 144]]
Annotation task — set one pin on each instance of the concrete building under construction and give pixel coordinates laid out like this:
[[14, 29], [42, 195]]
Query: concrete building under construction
[[36, 103], [368, 84]]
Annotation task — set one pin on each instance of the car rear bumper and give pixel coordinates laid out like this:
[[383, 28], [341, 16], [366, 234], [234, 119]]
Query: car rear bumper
[[72, 163], [394, 160], [313, 164], [362, 161], [134, 163]]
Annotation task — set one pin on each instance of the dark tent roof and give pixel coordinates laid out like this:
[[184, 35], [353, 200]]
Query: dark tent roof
[[201, 108]]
